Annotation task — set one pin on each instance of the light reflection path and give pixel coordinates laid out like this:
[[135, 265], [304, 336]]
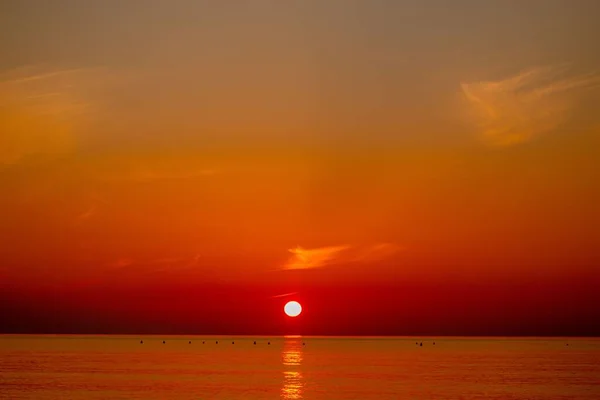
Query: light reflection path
[[291, 358]]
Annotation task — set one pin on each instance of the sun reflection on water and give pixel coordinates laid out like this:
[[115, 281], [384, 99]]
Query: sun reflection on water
[[291, 358]]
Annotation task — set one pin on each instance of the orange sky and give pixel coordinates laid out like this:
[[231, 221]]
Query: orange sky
[[311, 148]]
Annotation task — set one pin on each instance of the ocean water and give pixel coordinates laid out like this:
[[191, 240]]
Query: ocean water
[[120, 367]]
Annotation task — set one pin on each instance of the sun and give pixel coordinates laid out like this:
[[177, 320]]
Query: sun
[[292, 309]]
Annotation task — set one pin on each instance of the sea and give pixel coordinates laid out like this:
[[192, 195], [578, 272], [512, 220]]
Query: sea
[[295, 367]]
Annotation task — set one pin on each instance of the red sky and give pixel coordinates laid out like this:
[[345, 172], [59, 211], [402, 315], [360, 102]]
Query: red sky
[[400, 168]]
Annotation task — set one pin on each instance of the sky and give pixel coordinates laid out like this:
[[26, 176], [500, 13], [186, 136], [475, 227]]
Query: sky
[[399, 167]]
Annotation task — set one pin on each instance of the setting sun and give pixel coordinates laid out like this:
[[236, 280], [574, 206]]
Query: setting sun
[[292, 309]]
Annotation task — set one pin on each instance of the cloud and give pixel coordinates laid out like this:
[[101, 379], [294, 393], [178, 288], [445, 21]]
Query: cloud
[[324, 256], [313, 258], [121, 263], [522, 107], [149, 174]]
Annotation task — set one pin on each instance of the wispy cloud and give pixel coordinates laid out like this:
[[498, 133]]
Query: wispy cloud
[[166, 260], [376, 252], [40, 110], [157, 264], [152, 170], [84, 216], [193, 262], [522, 107], [323, 256]]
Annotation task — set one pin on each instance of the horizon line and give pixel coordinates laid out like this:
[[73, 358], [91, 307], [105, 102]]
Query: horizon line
[[349, 336]]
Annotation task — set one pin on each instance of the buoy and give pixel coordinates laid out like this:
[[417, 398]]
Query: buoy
[[255, 342], [232, 342], [217, 342], [203, 342], [269, 343], [190, 342], [163, 342], [421, 344]]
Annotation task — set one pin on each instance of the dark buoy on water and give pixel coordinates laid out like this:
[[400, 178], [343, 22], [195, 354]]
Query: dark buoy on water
[[203, 342], [141, 342], [303, 344], [216, 342], [255, 342], [434, 343], [232, 342], [421, 344], [164, 342], [269, 343], [190, 342]]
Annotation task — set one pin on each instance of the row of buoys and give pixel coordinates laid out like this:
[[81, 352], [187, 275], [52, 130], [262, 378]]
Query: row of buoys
[[217, 342], [421, 344]]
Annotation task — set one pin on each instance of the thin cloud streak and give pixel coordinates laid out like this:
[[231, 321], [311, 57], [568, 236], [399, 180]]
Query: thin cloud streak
[[277, 296], [523, 107], [40, 76]]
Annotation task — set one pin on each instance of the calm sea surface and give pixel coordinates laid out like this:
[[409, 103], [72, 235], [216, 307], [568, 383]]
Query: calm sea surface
[[120, 367]]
